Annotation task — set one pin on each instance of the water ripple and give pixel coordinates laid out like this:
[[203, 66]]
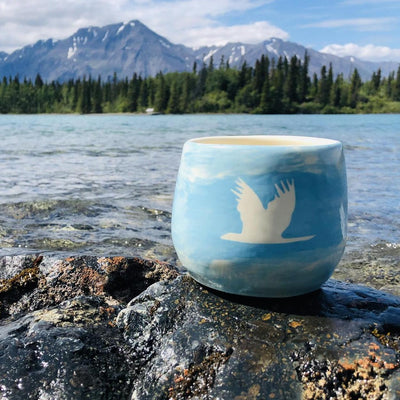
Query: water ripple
[[104, 184]]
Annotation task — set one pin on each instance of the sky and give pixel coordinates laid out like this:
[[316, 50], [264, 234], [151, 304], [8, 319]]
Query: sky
[[367, 29]]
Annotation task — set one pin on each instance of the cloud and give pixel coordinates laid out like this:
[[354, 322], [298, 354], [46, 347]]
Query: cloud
[[23, 23], [189, 22], [359, 24], [369, 52], [220, 35]]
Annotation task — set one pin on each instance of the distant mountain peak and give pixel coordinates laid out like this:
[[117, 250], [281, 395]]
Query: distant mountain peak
[[131, 47]]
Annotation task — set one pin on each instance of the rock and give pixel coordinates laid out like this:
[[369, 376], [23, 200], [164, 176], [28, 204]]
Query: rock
[[377, 266], [127, 328], [43, 282], [338, 342], [58, 339], [68, 352]]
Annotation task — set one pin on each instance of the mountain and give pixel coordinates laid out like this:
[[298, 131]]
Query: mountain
[[122, 48], [126, 48], [237, 53]]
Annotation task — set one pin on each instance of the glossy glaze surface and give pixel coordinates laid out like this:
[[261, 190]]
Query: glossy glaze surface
[[261, 216]]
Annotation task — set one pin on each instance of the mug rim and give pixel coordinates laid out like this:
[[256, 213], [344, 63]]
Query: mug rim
[[265, 140]]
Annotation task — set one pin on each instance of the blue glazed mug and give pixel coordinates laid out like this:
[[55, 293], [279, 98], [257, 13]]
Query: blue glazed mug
[[261, 215]]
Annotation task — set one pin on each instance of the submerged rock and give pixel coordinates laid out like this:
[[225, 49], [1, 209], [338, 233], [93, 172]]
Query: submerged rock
[[127, 328]]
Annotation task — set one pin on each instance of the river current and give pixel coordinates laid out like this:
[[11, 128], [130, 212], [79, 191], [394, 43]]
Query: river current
[[104, 184]]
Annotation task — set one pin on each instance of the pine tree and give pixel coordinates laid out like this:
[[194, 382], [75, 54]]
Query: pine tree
[[244, 75], [389, 82], [98, 97], [201, 81], [161, 95], [173, 102], [336, 91], [133, 93], [265, 102], [187, 92], [260, 71], [143, 101], [376, 80], [304, 80], [355, 85], [291, 82], [324, 86], [277, 82], [85, 102], [396, 88]]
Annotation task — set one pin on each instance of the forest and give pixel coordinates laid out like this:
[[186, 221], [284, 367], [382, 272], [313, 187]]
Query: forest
[[282, 86]]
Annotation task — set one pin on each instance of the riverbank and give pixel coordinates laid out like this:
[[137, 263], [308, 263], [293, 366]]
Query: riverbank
[[128, 328]]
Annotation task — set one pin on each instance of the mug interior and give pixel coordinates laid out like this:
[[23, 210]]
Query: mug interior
[[265, 140]]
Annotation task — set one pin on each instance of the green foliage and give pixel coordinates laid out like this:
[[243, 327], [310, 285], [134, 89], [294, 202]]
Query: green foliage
[[270, 87]]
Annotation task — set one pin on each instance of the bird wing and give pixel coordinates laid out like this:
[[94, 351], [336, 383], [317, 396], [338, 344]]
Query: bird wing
[[283, 204], [249, 204]]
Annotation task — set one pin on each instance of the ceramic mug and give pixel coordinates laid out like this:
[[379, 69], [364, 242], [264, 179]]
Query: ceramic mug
[[260, 215]]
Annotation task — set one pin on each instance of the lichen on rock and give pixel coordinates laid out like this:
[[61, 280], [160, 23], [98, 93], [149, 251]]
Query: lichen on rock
[[127, 328]]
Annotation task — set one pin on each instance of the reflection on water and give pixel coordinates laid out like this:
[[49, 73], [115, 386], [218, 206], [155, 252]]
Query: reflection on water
[[104, 184]]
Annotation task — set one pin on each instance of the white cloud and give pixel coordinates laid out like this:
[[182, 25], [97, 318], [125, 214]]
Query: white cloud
[[369, 52], [220, 35], [360, 24], [189, 22], [23, 23]]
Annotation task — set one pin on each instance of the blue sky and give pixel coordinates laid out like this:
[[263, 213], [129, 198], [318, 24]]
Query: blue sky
[[368, 29]]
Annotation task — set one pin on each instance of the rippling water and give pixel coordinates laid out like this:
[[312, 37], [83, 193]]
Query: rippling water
[[104, 184]]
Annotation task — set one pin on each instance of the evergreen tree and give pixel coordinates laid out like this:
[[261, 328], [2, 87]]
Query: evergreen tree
[[161, 95], [260, 71], [244, 75], [38, 81], [325, 85], [355, 85], [276, 91], [188, 87], [336, 91], [85, 102], [173, 102], [304, 80], [396, 88], [211, 64], [291, 82], [143, 101], [201, 81], [281, 86], [314, 86], [133, 93], [389, 82], [98, 97], [376, 80], [265, 102]]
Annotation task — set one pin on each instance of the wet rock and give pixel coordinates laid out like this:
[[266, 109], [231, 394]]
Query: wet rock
[[376, 266], [58, 338], [128, 328], [44, 282], [68, 352], [339, 342]]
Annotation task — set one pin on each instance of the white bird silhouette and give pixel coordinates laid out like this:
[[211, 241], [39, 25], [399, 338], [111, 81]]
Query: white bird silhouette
[[265, 225]]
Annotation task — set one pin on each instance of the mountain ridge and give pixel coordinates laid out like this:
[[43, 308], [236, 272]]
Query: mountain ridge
[[131, 47]]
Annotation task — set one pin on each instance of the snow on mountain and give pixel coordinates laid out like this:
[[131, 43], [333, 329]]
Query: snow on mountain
[[131, 47]]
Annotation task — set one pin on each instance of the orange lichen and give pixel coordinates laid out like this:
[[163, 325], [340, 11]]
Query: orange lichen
[[371, 362], [294, 324], [266, 317]]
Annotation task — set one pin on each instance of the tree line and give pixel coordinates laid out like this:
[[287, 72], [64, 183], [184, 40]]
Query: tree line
[[269, 87]]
